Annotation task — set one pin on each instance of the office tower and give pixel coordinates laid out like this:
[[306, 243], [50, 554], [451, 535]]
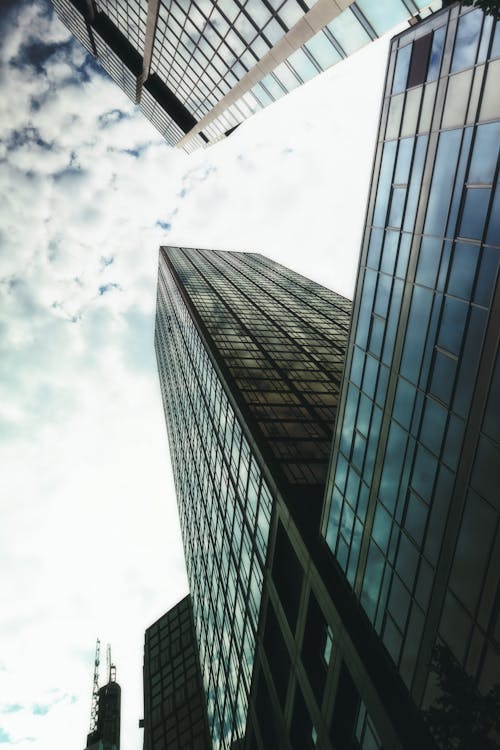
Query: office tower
[[412, 504], [198, 68], [174, 700], [250, 356], [104, 731]]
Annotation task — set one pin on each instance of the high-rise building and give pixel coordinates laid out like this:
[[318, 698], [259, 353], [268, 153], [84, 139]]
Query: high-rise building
[[106, 709], [376, 627], [174, 700], [198, 68], [250, 357], [412, 511]]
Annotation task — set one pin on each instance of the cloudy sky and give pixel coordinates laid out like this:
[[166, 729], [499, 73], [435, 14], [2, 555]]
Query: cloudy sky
[[89, 536]]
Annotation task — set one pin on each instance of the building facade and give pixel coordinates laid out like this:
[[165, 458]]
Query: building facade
[[412, 512], [198, 68], [250, 357], [174, 699]]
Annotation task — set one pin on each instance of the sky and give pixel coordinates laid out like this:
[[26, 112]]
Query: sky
[[89, 535]]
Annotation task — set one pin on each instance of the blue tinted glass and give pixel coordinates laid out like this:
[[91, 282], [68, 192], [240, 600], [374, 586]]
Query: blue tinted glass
[[459, 182], [443, 377], [389, 252], [399, 602], [372, 444], [362, 501], [470, 360], [376, 239], [376, 336], [424, 472], [415, 518], [436, 53], [469, 29], [463, 269], [364, 414], [392, 322], [484, 155], [383, 295], [403, 252], [428, 261], [352, 487], [495, 49], [485, 38], [493, 234], [474, 213], [439, 512], [383, 16], [354, 553], [453, 323], [433, 425], [341, 471], [347, 522], [358, 451], [370, 376], [383, 377], [384, 183], [382, 527], [416, 178], [397, 206], [401, 69], [372, 580], [487, 276], [403, 402], [403, 161], [393, 464], [358, 359], [416, 333], [453, 442], [407, 560], [442, 182]]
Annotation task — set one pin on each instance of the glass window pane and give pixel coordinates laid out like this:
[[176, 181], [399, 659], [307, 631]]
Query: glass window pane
[[484, 155], [382, 15], [436, 53], [397, 206], [463, 269], [474, 213], [453, 321], [442, 182], [323, 50], [457, 98], [394, 116], [469, 29], [303, 65], [490, 107], [403, 161], [427, 107], [416, 333], [493, 234], [384, 183], [348, 32], [401, 69], [412, 107]]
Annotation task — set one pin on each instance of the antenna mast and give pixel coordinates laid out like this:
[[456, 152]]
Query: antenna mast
[[111, 667], [95, 690]]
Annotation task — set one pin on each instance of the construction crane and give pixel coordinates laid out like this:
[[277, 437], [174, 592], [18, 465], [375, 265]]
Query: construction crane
[[94, 711]]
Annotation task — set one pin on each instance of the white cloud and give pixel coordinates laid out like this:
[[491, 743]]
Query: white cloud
[[90, 535]]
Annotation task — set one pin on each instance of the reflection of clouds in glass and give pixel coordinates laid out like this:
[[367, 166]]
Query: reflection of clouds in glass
[[467, 38]]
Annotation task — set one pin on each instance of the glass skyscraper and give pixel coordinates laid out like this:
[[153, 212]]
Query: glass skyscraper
[[250, 357], [198, 68], [412, 508]]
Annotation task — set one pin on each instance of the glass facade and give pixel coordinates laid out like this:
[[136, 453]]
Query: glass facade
[[174, 699], [411, 514], [250, 377], [202, 52]]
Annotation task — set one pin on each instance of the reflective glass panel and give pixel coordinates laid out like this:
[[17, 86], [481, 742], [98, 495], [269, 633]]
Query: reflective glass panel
[[469, 29], [348, 32]]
